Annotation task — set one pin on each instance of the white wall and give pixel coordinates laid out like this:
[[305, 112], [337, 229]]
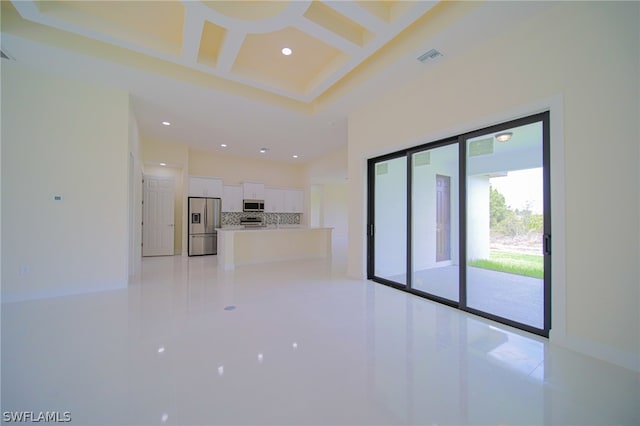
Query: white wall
[[135, 199], [478, 218], [334, 215], [63, 138], [580, 61]]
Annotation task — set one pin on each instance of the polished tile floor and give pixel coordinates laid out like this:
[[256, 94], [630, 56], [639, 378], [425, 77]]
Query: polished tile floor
[[291, 344]]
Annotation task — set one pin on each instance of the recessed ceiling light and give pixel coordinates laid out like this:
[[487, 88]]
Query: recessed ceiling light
[[263, 150], [166, 123], [163, 164], [295, 156], [286, 51], [224, 145]]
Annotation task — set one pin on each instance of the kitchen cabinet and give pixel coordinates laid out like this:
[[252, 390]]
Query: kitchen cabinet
[[283, 200], [253, 191], [205, 187], [293, 201], [232, 198], [273, 200]]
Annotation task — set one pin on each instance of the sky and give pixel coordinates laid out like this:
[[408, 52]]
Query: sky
[[521, 186]]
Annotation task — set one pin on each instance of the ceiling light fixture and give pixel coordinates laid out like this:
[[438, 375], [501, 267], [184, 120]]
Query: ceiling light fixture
[[166, 123], [503, 136], [163, 164], [294, 156], [263, 150], [286, 51], [224, 145]]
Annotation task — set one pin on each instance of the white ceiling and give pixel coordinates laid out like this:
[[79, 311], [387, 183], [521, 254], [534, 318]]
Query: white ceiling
[[205, 116]]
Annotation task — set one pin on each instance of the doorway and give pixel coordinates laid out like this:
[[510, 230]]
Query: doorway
[[466, 222], [158, 216]]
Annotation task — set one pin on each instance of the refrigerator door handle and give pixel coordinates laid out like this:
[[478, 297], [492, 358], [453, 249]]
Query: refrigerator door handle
[[206, 221]]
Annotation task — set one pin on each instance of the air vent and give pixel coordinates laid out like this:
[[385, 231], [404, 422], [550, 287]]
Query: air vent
[[422, 159], [5, 55], [429, 56], [481, 147]]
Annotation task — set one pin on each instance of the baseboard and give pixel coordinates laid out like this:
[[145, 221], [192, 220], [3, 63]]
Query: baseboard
[[626, 359]]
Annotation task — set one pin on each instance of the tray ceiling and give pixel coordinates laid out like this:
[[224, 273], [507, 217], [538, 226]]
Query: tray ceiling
[[239, 42]]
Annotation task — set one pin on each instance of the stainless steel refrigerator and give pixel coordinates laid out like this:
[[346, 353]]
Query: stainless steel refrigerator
[[204, 217]]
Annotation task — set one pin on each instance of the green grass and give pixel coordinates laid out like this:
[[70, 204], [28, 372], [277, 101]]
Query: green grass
[[529, 265]]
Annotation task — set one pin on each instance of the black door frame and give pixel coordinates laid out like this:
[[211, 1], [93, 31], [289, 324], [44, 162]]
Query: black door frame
[[460, 140]]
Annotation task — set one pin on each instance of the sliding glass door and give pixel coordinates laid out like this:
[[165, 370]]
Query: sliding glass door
[[388, 229], [466, 222], [505, 224], [434, 221]]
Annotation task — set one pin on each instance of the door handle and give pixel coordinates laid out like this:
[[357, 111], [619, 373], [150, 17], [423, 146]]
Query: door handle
[[547, 244]]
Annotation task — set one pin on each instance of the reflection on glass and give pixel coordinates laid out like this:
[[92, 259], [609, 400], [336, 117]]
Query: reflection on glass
[[505, 264], [391, 220], [435, 230]]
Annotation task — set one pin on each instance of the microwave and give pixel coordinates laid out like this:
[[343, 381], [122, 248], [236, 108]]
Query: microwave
[[253, 205]]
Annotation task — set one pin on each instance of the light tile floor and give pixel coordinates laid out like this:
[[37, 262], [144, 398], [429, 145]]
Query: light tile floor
[[302, 346]]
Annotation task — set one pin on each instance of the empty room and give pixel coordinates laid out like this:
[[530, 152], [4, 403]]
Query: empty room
[[318, 212]]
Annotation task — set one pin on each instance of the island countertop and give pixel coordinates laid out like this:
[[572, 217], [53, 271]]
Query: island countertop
[[268, 228], [238, 245]]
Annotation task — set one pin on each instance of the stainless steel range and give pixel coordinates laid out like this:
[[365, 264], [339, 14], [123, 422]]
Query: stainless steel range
[[252, 222]]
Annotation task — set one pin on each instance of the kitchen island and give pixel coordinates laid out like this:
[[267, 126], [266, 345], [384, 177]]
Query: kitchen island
[[246, 246]]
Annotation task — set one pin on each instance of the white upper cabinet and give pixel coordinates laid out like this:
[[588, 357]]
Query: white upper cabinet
[[283, 200], [205, 187], [293, 201], [253, 191], [273, 200], [232, 198]]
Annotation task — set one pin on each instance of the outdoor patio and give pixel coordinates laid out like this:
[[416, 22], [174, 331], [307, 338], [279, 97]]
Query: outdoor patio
[[516, 297]]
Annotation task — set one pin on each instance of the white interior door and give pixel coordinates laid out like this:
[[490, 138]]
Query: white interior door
[[157, 222]]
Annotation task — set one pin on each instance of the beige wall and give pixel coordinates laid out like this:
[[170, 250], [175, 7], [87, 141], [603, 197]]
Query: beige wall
[[63, 138], [135, 197], [581, 60], [235, 170], [330, 168], [328, 198], [155, 151]]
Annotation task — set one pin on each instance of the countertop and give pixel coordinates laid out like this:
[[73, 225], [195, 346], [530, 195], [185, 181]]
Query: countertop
[[241, 228]]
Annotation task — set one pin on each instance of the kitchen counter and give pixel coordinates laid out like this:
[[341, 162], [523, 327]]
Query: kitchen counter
[[238, 245]]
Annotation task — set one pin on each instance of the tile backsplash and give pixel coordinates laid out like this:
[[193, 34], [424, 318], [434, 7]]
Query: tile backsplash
[[233, 218]]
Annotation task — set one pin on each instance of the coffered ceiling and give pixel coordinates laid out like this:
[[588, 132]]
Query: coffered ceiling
[[216, 71], [240, 41]]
